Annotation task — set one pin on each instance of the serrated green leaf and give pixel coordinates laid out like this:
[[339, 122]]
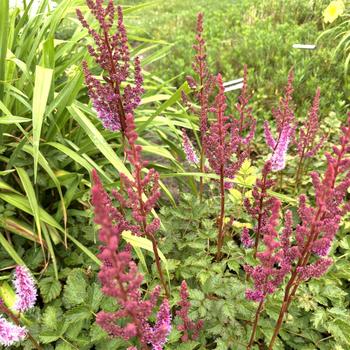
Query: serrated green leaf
[[50, 319], [78, 313], [48, 337], [196, 294], [65, 346], [50, 288], [94, 297], [75, 289], [340, 330], [319, 317]]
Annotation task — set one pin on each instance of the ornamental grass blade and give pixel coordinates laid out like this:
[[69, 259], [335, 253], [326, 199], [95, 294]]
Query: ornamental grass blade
[[11, 251], [51, 250], [99, 141], [19, 228], [13, 120], [43, 77], [176, 97], [4, 18], [29, 190], [22, 203], [83, 160], [45, 165], [85, 250], [7, 294]]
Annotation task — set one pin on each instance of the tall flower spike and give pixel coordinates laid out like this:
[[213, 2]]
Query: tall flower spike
[[285, 126], [10, 333], [319, 224], [162, 328], [121, 279], [246, 123], [308, 131], [246, 239], [260, 208], [306, 145], [189, 328], [222, 141], [111, 53], [202, 85], [137, 188], [188, 148], [26, 292], [284, 114], [278, 158], [274, 263]]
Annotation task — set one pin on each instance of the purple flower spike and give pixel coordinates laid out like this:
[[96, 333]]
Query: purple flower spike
[[162, 327], [10, 333], [285, 128], [115, 96], [246, 239], [189, 328], [278, 159], [25, 289], [191, 155], [268, 136], [254, 295], [315, 270]]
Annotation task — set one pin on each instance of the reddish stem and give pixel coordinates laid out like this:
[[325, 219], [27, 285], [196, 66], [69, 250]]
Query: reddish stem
[[222, 214], [201, 182], [256, 321], [144, 223], [115, 85], [201, 101], [261, 206]]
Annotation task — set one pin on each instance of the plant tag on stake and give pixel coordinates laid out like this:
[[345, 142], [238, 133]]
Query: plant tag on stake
[[233, 85], [304, 46]]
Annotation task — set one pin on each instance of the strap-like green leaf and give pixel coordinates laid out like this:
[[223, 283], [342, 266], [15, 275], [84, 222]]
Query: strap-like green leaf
[[43, 77]]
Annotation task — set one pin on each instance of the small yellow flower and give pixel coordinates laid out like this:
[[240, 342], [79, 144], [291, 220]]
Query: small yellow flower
[[333, 11]]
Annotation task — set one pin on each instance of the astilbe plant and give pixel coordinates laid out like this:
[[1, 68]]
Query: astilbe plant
[[222, 142], [246, 123], [188, 148], [202, 85], [275, 261], [26, 295], [285, 127], [319, 224], [307, 146], [189, 328], [121, 280], [303, 256], [260, 208], [136, 187], [115, 109], [111, 53], [284, 113]]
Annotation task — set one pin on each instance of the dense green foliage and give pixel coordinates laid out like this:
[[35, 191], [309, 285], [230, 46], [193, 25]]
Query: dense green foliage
[[51, 140]]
